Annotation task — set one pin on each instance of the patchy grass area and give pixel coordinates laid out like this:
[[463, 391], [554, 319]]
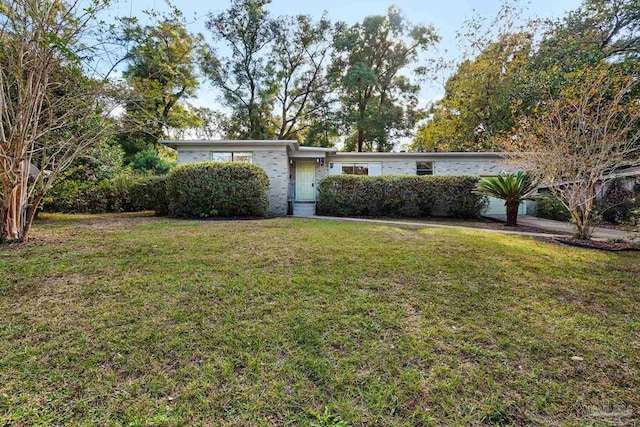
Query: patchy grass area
[[482, 223], [135, 320]]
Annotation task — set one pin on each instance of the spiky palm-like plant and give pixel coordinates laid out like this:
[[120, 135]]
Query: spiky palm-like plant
[[512, 188]]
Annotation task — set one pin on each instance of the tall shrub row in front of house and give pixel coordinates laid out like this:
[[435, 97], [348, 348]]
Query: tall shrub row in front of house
[[150, 194], [400, 196], [210, 189], [123, 193]]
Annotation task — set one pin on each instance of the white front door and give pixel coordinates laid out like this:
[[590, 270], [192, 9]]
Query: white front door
[[305, 181]]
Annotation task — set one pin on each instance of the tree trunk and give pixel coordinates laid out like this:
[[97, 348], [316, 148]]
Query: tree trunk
[[512, 212], [583, 232], [360, 139], [31, 214], [583, 224], [4, 223], [581, 214], [14, 207]]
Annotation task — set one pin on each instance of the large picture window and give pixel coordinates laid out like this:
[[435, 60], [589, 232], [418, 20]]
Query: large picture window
[[221, 156], [243, 157], [355, 169], [371, 169]]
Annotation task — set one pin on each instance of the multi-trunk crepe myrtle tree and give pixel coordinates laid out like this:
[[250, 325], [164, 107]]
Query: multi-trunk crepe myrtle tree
[[580, 138], [50, 110]]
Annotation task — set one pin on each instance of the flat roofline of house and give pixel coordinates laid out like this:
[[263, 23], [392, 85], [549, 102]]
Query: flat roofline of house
[[295, 147], [430, 154], [321, 149], [222, 142]]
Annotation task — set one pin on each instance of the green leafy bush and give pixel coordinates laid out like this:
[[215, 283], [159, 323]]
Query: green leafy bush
[[116, 193], [549, 207], [209, 189], [400, 196], [88, 196], [149, 161], [513, 188], [619, 204], [123, 193], [150, 193]]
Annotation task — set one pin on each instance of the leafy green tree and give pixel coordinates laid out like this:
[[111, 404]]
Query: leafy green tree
[[150, 162], [324, 130], [512, 188], [213, 124], [599, 30], [480, 98], [378, 102], [51, 111], [103, 160], [480, 95], [245, 76], [301, 51], [161, 75], [584, 132], [505, 76], [274, 80]]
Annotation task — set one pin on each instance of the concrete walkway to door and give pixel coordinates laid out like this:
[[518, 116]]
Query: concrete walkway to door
[[599, 233]]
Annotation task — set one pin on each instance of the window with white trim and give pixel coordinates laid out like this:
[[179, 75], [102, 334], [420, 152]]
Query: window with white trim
[[243, 157], [226, 156], [355, 169], [372, 169]]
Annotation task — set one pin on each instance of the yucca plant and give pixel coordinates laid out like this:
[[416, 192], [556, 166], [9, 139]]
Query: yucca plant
[[512, 188]]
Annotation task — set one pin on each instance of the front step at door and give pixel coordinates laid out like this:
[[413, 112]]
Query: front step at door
[[304, 209]]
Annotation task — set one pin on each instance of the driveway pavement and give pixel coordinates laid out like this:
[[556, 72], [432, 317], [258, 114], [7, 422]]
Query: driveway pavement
[[599, 233]]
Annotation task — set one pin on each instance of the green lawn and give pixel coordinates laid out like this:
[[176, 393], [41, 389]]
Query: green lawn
[[136, 320]]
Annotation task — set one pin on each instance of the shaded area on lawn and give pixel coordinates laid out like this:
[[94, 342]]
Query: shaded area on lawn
[[131, 319]]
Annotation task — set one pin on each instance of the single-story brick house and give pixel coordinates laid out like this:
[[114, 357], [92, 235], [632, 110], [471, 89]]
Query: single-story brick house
[[294, 171]]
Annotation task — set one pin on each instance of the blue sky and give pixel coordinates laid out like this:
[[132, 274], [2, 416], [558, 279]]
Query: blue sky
[[446, 15]]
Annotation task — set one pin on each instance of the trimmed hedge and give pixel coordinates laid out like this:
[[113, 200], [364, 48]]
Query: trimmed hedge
[[108, 195], [124, 193], [549, 207], [620, 204], [209, 189], [150, 194], [400, 196]]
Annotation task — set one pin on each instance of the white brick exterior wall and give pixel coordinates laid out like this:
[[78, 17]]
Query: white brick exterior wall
[[398, 167], [484, 167], [471, 167], [190, 156], [276, 164]]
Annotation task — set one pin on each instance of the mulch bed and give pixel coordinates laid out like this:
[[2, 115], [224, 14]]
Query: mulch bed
[[605, 246]]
